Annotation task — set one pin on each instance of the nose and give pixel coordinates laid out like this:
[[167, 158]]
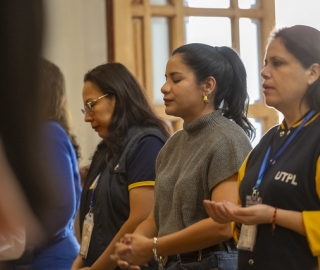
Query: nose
[[265, 72], [165, 88], [87, 117]]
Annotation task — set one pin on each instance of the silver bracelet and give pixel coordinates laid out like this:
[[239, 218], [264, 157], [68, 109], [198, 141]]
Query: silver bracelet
[[161, 260], [155, 240]]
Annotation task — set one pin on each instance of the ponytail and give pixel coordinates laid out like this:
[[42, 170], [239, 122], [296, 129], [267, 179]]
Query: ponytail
[[235, 97]]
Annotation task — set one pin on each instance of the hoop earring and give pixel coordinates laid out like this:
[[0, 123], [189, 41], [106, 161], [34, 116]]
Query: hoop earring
[[205, 99]]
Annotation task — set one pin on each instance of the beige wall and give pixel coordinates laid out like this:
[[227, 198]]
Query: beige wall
[[75, 40]]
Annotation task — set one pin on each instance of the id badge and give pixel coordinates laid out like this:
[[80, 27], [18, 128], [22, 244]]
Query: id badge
[[248, 233], [86, 235]]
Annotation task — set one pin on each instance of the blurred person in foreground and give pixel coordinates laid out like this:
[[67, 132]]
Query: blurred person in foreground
[[24, 191]]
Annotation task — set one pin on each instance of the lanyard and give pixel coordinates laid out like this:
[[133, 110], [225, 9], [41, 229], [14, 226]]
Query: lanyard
[[94, 188], [265, 165]]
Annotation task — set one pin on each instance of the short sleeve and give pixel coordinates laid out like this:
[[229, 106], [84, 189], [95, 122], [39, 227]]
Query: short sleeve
[[141, 166], [227, 158]]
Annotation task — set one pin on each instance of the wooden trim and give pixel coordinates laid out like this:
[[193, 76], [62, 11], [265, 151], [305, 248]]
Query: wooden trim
[[110, 28], [138, 49], [130, 39], [147, 40], [177, 25], [268, 115], [162, 11], [256, 14], [123, 34]]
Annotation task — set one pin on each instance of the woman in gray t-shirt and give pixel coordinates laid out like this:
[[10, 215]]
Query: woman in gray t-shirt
[[206, 87]]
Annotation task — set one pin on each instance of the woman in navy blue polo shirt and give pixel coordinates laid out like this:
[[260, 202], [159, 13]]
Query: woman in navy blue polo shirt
[[118, 192]]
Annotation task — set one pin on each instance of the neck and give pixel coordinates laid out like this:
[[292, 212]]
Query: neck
[[192, 118], [293, 118]]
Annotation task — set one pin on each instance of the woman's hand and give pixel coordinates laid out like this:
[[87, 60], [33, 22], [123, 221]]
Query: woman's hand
[[217, 212], [124, 249], [133, 250], [225, 211]]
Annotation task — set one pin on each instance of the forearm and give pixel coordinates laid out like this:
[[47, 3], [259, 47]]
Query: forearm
[[200, 235], [104, 261], [77, 264], [291, 220], [148, 227]]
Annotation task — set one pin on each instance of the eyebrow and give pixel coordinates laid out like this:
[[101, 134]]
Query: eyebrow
[[272, 58], [171, 74], [276, 57], [89, 100]]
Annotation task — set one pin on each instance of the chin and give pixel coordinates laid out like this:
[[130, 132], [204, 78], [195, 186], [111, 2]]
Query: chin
[[269, 102], [102, 135], [169, 112]]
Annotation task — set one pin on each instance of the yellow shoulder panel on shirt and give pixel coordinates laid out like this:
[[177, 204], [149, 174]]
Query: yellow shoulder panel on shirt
[[311, 221], [318, 178], [242, 172], [236, 231], [149, 183]]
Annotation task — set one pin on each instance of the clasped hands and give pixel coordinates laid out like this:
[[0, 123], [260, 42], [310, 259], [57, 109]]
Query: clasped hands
[[133, 251]]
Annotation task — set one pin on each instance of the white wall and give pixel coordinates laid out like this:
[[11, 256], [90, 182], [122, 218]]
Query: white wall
[[75, 40], [291, 12]]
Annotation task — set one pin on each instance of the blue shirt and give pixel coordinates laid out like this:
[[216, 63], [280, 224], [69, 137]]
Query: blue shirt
[[60, 158]]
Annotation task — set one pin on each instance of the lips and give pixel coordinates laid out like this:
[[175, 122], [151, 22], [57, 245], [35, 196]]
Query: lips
[[266, 86], [95, 128], [167, 101]]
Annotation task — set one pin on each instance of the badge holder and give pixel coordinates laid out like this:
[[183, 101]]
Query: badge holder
[[86, 234], [248, 233]]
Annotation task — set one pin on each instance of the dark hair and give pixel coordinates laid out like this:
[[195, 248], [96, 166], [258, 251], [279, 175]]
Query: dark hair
[[303, 42], [225, 65], [132, 107], [53, 97]]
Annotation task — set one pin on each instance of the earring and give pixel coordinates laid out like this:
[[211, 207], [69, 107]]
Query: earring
[[205, 99]]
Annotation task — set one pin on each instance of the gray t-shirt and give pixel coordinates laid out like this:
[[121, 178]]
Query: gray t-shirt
[[192, 162]]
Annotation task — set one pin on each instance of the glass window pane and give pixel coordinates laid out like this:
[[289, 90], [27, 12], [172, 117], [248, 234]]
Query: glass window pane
[[207, 3], [218, 35], [258, 126], [159, 2], [247, 4], [160, 54], [249, 51]]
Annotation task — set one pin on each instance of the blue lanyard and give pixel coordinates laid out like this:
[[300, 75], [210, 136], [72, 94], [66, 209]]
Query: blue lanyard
[[265, 165], [96, 180]]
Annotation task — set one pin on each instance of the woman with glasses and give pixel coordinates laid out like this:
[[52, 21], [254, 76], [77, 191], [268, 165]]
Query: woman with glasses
[[118, 192]]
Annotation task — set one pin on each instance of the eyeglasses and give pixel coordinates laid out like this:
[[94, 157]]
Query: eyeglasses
[[88, 107]]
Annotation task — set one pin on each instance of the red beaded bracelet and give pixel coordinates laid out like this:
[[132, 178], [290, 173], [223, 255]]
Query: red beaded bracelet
[[273, 221]]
